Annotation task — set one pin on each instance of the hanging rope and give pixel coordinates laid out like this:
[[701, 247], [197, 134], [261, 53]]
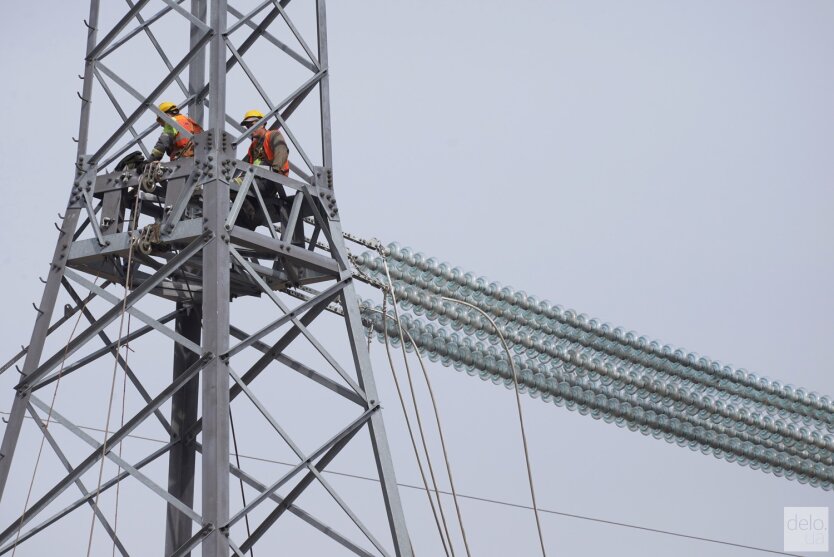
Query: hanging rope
[[46, 424], [417, 413], [242, 493], [134, 217], [121, 424], [442, 438], [442, 441], [375, 244], [410, 430], [520, 417]]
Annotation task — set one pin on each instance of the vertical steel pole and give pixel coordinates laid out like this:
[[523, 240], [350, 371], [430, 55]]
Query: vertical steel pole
[[324, 87], [353, 321], [216, 265], [197, 68], [184, 404], [182, 457], [56, 270]]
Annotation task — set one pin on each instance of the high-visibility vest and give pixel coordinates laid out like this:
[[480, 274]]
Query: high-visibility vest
[[269, 153], [183, 146]]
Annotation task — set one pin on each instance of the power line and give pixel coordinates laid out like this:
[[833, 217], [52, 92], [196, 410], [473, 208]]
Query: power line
[[542, 510], [496, 501]]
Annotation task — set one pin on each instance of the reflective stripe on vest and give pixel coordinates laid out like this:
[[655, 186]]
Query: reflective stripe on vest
[[182, 143], [268, 153]]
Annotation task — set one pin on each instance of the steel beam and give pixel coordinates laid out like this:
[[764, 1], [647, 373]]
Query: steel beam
[[294, 494], [135, 31], [86, 251], [158, 47], [56, 448], [322, 299], [142, 316], [86, 499], [295, 32], [302, 514], [185, 403], [108, 349], [150, 98], [299, 256], [320, 348], [182, 457], [114, 32], [216, 293], [306, 461], [119, 359], [69, 311], [353, 320], [376, 427], [303, 369], [269, 356], [247, 20], [56, 270], [100, 451], [119, 461], [301, 92]]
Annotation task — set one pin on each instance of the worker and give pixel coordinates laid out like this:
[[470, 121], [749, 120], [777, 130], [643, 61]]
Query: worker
[[268, 146], [172, 141]]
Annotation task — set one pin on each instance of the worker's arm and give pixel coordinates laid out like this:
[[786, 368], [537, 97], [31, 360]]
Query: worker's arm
[[281, 151], [164, 143]]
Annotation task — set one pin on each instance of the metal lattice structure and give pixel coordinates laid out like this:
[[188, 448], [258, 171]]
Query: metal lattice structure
[[140, 240]]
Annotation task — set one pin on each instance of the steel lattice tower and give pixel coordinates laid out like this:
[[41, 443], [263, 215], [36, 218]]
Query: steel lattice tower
[[136, 239]]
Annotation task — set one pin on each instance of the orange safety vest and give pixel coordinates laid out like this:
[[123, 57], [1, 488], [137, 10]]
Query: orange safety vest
[[268, 152], [183, 146]]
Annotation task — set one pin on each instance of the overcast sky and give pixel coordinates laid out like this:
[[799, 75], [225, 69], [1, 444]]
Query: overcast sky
[[664, 166]]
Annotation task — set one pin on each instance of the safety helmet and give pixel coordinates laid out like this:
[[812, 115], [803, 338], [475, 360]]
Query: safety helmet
[[168, 107], [251, 117]]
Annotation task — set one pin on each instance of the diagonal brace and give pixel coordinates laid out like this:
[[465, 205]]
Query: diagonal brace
[[316, 344], [109, 348], [131, 470], [300, 513], [348, 432], [325, 297], [149, 284], [101, 451], [89, 497], [63, 458], [308, 372]]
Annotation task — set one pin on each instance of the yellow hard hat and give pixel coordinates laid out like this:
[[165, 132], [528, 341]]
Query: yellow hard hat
[[167, 107], [252, 115]]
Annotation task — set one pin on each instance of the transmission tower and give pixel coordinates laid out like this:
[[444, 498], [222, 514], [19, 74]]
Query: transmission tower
[[140, 240]]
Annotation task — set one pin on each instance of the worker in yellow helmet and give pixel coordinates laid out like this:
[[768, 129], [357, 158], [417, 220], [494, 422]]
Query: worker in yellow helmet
[[268, 147], [171, 141]]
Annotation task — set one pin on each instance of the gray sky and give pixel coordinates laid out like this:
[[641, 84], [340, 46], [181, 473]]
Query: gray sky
[[664, 166]]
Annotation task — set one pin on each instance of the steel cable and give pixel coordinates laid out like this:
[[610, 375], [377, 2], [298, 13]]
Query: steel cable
[[442, 443], [134, 217], [520, 422], [240, 479], [121, 424], [411, 430]]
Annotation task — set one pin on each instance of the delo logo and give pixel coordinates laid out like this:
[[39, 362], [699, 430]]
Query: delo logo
[[806, 529]]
